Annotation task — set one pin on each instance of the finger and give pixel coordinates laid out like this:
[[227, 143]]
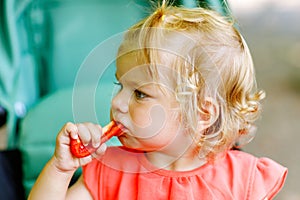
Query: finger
[[100, 151], [71, 130], [84, 134], [85, 160], [95, 131]]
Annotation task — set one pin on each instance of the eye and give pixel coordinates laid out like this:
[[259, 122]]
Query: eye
[[118, 84], [139, 94], [118, 87]]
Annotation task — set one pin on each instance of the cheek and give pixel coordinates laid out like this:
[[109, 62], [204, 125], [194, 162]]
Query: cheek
[[163, 136], [150, 119], [155, 127]]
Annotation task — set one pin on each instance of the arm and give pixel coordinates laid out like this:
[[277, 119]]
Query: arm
[[54, 179], [52, 183], [79, 191]]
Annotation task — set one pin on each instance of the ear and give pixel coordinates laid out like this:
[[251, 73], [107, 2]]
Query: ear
[[208, 113]]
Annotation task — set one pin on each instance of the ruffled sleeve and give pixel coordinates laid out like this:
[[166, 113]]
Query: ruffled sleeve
[[267, 179]]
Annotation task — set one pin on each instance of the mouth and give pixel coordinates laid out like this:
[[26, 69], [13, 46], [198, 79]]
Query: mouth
[[121, 126]]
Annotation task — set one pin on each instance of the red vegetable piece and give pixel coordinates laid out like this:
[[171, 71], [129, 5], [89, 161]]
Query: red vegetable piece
[[80, 151]]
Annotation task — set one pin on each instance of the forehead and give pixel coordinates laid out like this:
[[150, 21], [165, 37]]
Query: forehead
[[129, 65], [132, 67]]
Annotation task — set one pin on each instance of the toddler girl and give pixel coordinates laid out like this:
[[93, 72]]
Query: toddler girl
[[187, 96]]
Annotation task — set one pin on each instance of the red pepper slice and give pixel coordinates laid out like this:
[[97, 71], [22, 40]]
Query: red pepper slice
[[80, 151]]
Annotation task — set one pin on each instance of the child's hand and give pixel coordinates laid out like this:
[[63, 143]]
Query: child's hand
[[89, 134]]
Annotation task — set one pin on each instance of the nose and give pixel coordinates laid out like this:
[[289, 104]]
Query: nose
[[120, 102]]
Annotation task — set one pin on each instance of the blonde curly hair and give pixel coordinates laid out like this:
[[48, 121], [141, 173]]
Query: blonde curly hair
[[211, 64]]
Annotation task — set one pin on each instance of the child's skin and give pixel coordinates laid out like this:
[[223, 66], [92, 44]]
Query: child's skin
[[150, 115]]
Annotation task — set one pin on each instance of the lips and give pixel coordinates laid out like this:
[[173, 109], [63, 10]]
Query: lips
[[121, 125]]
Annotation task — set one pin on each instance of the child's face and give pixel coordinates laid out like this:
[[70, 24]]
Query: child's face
[[149, 114]]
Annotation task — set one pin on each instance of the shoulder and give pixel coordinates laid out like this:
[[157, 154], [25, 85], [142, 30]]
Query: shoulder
[[265, 167], [263, 177]]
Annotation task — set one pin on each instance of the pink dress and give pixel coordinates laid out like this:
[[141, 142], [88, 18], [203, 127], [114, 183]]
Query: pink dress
[[122, 174]]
